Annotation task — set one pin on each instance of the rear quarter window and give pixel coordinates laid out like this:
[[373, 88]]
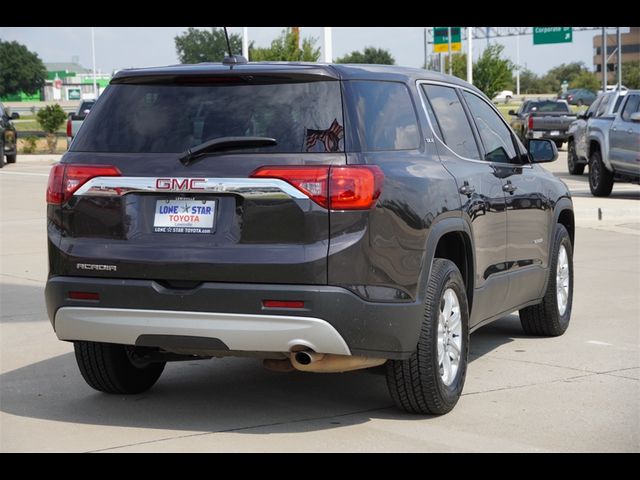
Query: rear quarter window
[[381, 116]]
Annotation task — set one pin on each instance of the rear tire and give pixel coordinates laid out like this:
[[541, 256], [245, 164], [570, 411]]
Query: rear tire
[[12, 158], [1, 154], [550, 318], [422, 384], [558, 144], [111, 368], [600, 178], [573, 166]]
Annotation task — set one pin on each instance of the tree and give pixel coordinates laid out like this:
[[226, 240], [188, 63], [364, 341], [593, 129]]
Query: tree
[[631, 74], [371, 55], [491, 73], [195, 46], [529, 82], [286, 48], [20, 70], [585, 79], [51, 118], [458, 65], [552, 81]]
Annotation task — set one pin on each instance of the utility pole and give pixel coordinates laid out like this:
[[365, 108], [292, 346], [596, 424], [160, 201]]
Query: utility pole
[[470, 55], [93, 57], [449, 38], [326, 45], [603, 51], [619, 55], [245, 42]]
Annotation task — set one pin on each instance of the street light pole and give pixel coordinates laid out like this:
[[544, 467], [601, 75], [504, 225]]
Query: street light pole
[[518, 63], [245, 42], [619, 55], [93, 56], [470, 55], [449, 38], [326, 43], [603, 51]]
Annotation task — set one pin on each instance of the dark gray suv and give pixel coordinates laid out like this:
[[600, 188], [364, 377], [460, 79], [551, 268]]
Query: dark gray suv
[[323, 218]]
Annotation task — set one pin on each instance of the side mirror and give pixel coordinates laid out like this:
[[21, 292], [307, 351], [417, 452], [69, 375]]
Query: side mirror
[[635, 117], [15, 116], [542, 150], [512, 113]]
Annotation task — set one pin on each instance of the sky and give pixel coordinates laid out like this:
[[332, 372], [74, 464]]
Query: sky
[[125, 47]]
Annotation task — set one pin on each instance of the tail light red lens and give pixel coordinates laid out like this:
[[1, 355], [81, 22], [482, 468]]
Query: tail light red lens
[[530, 122], [353, 187], [282, 304], [69, 127], [64, 179], [84, 296]]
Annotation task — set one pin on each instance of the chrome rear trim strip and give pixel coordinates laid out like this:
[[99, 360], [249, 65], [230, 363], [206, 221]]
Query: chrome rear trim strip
[[246, 187]]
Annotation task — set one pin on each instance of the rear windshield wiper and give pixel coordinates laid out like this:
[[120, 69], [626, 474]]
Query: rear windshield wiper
[[224, 143]]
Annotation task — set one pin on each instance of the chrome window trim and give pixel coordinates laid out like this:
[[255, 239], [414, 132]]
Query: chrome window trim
[[426, 112], [246, 187]]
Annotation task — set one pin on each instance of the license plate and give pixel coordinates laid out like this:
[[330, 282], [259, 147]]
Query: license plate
[[537, 134], [555, 133], [184, 216]]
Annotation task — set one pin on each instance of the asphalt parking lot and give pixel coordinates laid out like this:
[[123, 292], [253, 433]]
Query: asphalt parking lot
[[578, 392]]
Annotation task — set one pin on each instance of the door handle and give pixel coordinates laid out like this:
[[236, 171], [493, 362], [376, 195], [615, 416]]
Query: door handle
[[509, 187], [630, 131], [614, 128], [466, 189]]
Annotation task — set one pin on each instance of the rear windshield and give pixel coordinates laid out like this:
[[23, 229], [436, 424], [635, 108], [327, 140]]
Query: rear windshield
[[545, 106], [169, 118]]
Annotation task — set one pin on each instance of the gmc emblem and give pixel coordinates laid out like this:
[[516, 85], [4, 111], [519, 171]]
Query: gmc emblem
[[179, 183]]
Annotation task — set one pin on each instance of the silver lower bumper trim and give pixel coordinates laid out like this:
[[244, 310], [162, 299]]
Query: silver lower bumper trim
[[255, 333]]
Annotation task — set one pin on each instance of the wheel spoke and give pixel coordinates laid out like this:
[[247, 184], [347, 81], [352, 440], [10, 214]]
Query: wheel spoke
[[446, 365], [454, 321], [454, 351]]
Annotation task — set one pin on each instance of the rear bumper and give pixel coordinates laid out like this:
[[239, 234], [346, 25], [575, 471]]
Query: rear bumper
[[546, 134], [333, 320]]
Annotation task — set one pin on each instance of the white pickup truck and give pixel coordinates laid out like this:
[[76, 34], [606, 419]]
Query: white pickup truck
[[74, 122]]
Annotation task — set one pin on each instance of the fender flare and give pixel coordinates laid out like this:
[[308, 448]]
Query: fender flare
[[437, 231], [599, 138], [563, 203]]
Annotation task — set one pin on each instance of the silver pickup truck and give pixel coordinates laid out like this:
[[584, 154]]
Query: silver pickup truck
[[591, 127], [74, 122], [542, 119], [608, 135]]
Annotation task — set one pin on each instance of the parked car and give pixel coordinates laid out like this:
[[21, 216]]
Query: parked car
[[542, 119], [74, 122], [589, 127], [275, 226], [578, 96], [615, 157], [8, 136], [504, 96]]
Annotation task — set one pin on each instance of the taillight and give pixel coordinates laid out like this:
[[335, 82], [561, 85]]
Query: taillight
[[312, 181], [530, 122], [353, 187], [69, 127], [64, 179]]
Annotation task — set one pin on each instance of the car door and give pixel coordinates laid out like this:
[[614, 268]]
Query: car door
[[580, 137], [481, 196], [624, 138], [528, 207]]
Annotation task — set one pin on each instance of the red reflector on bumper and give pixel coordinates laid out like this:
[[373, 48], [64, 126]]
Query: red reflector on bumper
[[282, 304], [84, 296]]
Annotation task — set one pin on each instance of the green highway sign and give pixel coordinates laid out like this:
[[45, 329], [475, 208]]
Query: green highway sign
[[441, 39], [542, 35]]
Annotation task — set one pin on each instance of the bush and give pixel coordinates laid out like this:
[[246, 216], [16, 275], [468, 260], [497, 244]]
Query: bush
[[51, 118], [29, 144]]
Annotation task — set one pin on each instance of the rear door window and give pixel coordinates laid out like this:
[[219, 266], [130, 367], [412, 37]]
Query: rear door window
[[382, 116], [453, 122], [632, 106], [170, 117]]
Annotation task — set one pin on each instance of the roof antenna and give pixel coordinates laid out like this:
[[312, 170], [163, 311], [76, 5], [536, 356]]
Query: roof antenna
[[232, 59]]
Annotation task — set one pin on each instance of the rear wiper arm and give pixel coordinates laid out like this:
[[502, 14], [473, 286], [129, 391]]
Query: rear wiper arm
[[224, 143]]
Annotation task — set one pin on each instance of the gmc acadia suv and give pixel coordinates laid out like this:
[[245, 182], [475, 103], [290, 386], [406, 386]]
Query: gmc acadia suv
[[322, 218]]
